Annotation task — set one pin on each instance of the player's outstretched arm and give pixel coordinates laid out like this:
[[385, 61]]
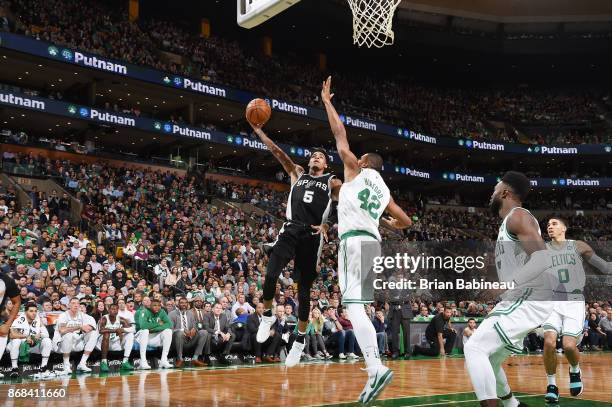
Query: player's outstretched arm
[[592, 258], [282, 157], [351, 165], [399, 219]]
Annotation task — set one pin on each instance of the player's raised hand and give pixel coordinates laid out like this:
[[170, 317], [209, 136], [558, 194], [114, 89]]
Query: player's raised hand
[[326, 95], [321, 229], [392, 222]]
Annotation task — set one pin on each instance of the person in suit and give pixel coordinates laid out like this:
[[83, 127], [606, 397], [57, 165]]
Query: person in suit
[[239, 264], [186, 336], [198, 311], [271, 345], [218, 326]]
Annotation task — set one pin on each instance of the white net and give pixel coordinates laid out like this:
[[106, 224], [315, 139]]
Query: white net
[[372, 22]]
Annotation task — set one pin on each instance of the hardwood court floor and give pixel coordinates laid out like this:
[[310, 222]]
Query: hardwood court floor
[[427, 382]]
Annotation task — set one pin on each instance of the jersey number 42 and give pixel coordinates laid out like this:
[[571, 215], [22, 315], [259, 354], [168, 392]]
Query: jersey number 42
[[369, 202]]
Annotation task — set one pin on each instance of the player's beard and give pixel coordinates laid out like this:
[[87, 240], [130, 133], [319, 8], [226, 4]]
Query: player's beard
[[495, 206]]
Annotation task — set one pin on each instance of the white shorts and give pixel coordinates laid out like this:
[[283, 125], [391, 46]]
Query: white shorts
[[155, 338], [355, 261], [508, 323], [115, 344], [567, 319]]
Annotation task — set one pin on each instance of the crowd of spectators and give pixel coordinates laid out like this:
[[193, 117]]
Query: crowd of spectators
[[103, 28], [153, 243]]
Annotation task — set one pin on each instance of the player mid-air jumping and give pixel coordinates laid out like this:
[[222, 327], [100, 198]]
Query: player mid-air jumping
[[364, 197], [567, 319], [300, 238]]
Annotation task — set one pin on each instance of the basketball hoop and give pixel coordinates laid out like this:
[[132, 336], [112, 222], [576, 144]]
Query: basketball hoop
[[372, 22]]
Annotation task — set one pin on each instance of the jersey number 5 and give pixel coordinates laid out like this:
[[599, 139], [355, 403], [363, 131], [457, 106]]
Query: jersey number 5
[[308, 196], [367, 204]]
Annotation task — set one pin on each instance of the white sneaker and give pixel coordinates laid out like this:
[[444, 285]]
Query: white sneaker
[[263, 333], [64, 372], [295, 354], [44, 375], [82, 367], [144, 365], [378, 378], [308, 357], [352, 356], [164, 364], [328, 355], [341, 356]]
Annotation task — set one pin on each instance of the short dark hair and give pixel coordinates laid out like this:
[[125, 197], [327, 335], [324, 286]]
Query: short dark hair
[[471, 319], [320, 150], [560, 219], [31, 304], [518, 182], [375, 161]]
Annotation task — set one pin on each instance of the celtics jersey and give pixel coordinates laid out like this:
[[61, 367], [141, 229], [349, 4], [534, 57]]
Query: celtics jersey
[[568, 275], [112, 325], [362, 202], [509, 253], [25, 327]]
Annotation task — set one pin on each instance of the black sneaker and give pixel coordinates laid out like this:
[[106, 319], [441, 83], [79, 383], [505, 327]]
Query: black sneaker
[[14, 373], [552, 394], [575, 385]]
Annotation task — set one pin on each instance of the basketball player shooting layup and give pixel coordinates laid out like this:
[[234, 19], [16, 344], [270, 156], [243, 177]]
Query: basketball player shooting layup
[[364, 197], [567, 319], [300, 238], [521, 257]]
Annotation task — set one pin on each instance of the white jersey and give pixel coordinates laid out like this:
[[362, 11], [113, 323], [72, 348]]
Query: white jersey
[[569, 271], [362, 202], [510, 257], [111, 325], [69, 321], [24, 327], [128, 316]]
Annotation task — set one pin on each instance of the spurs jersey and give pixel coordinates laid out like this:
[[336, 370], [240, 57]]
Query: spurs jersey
[[309, 200], [362, 202], [112, 325], [24, 327], [568, 270]]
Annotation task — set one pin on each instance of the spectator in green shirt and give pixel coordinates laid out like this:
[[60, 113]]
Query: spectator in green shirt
[[154, 329]]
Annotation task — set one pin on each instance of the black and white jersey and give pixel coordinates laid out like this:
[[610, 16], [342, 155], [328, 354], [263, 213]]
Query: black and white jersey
[[310, 199], [8, 289]]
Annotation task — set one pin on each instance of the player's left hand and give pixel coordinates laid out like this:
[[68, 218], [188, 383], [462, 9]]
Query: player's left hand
[[321, 229], [392, 222], [326, 95]]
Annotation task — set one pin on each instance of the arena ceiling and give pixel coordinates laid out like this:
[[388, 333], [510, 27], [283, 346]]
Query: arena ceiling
[[517, 11]]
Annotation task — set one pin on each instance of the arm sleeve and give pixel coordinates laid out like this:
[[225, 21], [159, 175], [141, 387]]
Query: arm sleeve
[[439, 325], [600, 264], [167, 323]]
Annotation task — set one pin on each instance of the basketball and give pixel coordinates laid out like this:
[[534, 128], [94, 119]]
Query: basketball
[[258, 112]]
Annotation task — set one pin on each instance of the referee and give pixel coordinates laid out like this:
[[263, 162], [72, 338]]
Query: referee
[[400, 314]]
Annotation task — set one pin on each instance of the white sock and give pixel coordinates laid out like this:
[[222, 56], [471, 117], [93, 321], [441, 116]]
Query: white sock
[[552, 379], [511, 402], [14, 363], [66, 361], [84, 359], [104, 361], [125, 359], [575, 369], [365, 334], [44, 362]]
